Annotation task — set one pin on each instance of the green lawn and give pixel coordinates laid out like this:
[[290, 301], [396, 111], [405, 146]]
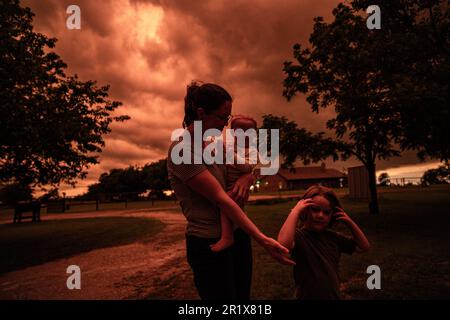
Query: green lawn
[[27, 244], [158, 204], [6, 214], [410, 243], [339, 191]]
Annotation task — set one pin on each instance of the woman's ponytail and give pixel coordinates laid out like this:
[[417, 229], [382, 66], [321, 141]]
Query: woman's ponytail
[[189, 104], [208, 96]]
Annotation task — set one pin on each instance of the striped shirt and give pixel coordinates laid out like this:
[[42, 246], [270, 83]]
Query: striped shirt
[[202, 215]]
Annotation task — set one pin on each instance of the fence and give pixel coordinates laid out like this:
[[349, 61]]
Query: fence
[[105, 203], [405, 181]]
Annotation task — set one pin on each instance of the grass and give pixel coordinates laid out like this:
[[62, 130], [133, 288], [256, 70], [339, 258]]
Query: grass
[[341, 192], [158, 204], [7, 213], [410, 243], [27, 244]]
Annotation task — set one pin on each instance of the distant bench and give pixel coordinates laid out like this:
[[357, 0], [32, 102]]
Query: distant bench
[[33, 208]]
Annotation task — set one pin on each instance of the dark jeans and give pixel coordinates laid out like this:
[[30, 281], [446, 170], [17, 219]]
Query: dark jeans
[[221, 275]]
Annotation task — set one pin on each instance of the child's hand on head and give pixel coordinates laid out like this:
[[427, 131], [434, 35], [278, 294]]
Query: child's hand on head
[[341, 215], [301, 206]]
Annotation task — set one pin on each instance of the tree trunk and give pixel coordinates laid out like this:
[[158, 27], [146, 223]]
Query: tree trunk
[[373, 204]]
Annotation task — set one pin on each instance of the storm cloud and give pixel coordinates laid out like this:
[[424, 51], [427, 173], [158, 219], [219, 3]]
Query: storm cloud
[[148, 51]]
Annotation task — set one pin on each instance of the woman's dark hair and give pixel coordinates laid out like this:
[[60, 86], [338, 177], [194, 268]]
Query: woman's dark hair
[[208, 96]]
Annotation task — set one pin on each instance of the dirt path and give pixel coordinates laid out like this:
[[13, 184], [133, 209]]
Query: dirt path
[[156, 269]]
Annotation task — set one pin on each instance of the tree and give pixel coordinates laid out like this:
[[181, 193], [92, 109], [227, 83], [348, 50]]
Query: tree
[[156, 177], [384, 179], [12, 193], [440, 175], [298, 142], [132, 180], [128, 180], [415, 58], [357, 71], [51, 125], [52, 194]]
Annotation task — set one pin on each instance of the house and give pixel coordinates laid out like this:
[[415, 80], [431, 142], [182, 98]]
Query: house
[[301, 178]]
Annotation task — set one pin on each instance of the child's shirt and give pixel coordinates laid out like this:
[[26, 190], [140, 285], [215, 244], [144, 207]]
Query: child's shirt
[[317, 256]]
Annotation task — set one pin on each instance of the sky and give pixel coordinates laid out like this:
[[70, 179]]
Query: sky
[[149, 51]]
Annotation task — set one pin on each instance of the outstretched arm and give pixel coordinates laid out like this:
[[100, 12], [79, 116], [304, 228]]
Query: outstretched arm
[[205, 184]]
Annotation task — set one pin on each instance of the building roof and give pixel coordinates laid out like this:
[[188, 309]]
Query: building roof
[[307, 173]]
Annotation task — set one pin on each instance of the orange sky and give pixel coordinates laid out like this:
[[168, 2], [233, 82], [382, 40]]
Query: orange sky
[[148, 51]]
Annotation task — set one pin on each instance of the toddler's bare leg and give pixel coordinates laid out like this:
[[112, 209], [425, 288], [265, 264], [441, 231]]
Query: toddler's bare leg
[[226, 238]]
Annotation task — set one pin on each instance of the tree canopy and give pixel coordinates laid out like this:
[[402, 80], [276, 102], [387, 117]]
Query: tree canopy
[[440, 175], [132, 180], [52, 124], [384, 179], [387, 87]]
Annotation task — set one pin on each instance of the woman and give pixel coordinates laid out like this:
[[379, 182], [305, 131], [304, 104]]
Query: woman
[[200, 188]]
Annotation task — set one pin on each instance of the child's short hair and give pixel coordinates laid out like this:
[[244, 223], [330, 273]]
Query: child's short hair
[[242, 117], [327, 193]]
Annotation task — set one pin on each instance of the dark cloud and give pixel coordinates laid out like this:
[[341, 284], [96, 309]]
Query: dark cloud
[[51, 14], [148, 51]]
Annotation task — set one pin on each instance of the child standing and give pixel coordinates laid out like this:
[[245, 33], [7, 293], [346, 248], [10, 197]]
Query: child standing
[[234, 172], [314, 247]]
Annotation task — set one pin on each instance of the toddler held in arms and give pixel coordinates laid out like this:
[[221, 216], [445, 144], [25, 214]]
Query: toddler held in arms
[[234, 171]]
